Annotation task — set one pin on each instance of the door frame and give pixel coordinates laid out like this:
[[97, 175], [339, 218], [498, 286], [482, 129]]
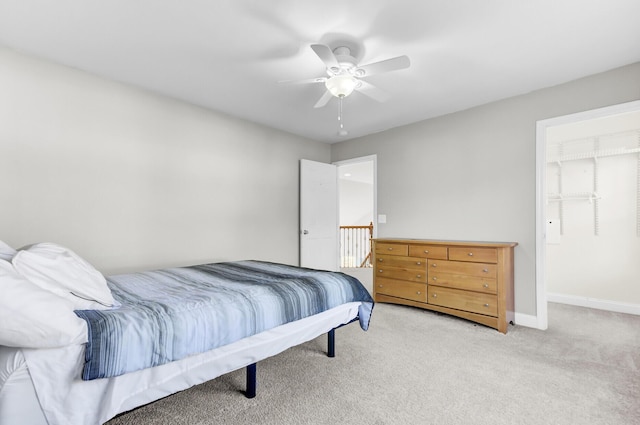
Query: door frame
[[541, 191], [369, 158]]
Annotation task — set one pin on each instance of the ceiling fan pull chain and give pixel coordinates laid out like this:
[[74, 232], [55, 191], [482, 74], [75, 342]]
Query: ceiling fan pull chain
[[341, 130]]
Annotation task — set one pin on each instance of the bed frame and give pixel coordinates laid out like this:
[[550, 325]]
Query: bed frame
[[20, 404], [252, 368]]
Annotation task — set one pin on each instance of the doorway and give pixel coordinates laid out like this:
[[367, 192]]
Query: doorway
[[357, 212], [555, 199]]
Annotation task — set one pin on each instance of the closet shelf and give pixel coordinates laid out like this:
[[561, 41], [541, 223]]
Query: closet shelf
[[595, 154], [577, 196]]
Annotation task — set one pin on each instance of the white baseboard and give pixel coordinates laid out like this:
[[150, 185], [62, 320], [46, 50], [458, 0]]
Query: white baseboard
[[618, 307]]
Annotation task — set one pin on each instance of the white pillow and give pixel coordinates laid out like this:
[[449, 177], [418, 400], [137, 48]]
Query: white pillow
[[6, 252], [31, 317], [61, 271]]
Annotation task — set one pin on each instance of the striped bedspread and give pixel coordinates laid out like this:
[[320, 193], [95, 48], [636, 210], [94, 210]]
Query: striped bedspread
[[170, 314]]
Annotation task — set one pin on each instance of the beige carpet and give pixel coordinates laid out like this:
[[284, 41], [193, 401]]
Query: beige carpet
[[420, 367]]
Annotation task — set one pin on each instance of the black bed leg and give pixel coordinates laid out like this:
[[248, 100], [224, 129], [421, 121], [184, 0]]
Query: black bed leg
[[331, 343], [251, 381]]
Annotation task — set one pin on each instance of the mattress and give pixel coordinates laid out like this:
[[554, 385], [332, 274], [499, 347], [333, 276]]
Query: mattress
[[40, 386], [168, 314]]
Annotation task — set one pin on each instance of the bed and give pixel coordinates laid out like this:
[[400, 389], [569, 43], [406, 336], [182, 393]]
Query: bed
[[88, 367]]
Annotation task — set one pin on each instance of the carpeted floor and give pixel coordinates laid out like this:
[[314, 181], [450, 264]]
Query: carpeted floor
[[420, 367]]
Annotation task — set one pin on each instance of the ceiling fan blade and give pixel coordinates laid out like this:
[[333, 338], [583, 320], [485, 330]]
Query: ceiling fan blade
[[373, 92], [326, 97], [307, 81], [393, 64], [326, 55]]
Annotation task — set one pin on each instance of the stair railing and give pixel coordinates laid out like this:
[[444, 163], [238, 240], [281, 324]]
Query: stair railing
[[355, 245]]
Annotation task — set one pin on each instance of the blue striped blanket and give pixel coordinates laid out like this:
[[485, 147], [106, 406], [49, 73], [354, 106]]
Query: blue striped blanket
[[173, 313]]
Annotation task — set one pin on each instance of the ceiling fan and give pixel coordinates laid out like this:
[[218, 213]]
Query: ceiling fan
[[345, 75]]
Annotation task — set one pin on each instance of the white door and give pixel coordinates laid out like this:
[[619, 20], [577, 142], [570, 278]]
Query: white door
[[319, 215]]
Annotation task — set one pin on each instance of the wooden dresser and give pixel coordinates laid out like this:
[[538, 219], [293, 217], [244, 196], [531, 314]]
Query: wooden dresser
[[472, 280]]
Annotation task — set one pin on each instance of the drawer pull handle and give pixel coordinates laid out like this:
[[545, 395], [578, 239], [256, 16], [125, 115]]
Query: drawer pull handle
[[380, 286], [485, 270], [390, 249], [486, 305], [418, 263], [426, 251], [434, 278], [380, 271], [418, 292], [418, 276], [435, 295], [380, 259], [471, 254], [434, 265], [486, 285]]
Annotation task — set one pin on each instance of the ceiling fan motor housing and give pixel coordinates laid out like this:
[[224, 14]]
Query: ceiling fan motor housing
[[348, 64]]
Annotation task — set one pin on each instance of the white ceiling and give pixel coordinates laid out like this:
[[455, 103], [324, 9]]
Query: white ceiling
[[229, 55]]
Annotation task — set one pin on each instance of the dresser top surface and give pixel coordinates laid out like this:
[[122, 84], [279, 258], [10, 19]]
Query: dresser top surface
[[446, 242]]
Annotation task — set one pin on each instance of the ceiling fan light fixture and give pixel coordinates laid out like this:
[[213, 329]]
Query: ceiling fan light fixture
[[341, 85]]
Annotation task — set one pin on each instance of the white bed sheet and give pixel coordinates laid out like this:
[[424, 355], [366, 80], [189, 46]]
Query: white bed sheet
[[65, 399], [18, 400]]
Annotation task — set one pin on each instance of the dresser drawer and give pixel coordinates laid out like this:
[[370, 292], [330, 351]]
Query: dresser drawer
[[460, 267], [402, 289], [392, 249], [401, 274], [428, 251], [461, 281], [402, 262], [463, 300], [474, 254]]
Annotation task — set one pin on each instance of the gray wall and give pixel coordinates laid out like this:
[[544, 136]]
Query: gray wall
[[471, 175], [356, 203], [132, 181]]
